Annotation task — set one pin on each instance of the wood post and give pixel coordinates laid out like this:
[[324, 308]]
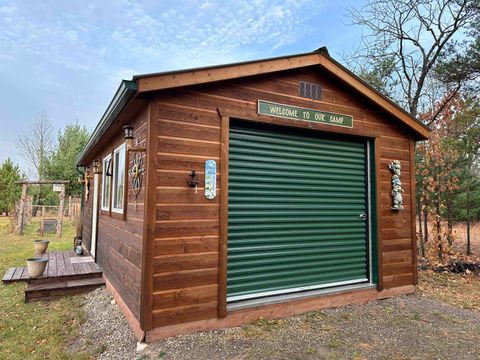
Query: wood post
[[61, 210], [70, 215], [42, 228], [21, 211]]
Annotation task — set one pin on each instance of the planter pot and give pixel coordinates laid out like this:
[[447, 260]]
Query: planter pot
[[36, 266], [41, 246]]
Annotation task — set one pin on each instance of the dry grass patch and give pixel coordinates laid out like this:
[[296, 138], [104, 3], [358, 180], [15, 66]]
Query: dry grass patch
[[462, 290]]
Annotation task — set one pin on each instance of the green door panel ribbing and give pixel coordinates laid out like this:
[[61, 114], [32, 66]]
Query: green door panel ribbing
[[294, 200]]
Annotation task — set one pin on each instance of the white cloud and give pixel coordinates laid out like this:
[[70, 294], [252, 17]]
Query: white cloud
[[77, 52], [211, 32]]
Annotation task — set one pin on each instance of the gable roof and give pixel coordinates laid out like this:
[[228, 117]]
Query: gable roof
[[139, 84]]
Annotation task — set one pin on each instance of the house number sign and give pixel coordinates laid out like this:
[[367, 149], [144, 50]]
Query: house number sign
[[297, 113], [210, 179]]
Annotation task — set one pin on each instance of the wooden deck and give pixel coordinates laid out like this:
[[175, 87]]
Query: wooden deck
[[61, 264], [65, 274]]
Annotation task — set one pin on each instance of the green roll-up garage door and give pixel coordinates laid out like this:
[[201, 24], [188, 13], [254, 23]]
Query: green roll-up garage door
[[296, 212]]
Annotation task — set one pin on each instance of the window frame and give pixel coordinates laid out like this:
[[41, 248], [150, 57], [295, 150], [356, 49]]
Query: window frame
[[105, 174], [121, 151]]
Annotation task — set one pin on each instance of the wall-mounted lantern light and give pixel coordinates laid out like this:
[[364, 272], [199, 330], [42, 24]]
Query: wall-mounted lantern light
[[95, 166], [128, 131], [192, 180], [128, 135]]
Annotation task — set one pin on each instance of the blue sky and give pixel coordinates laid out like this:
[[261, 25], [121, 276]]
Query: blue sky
[[66, 58]]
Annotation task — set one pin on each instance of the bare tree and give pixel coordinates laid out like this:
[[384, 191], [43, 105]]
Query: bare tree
[[37, 143], [413, 34]]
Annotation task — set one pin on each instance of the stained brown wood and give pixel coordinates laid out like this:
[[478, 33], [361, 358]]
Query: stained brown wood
[[228, 72], [120, 236], [223, 230], [240, 317], [413, 207], [179, 262], [165, 81], [376, 144], [60, 268], [183, 279], [189, 134], [131, 318], [149, 226], [56, 289], [167, 258], [207, 211], [186, 245], [187, 313], [184, 297]]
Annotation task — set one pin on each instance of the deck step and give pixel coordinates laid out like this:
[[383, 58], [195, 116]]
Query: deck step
[[65, 278], [58, 289]]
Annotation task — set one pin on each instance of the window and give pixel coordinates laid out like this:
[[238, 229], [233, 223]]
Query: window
[[118, 178], [106, 182]]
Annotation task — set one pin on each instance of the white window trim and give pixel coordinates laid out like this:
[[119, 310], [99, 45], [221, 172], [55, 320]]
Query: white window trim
[[104, 176], [121, 150]]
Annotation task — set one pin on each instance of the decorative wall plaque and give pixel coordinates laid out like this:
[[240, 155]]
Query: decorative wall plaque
[[136, 172], [397, 189], [210, 179]]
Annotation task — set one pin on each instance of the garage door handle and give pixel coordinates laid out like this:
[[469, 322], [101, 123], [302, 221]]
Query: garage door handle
[[363, 216]]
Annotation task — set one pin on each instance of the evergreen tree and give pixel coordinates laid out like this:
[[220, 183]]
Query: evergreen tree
[[61, 164], [9, 190]]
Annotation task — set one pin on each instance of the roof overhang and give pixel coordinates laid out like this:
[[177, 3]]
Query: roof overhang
[[320, 57], [124, 94], [173, 79]]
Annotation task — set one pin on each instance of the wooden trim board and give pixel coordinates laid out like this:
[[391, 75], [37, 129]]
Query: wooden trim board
[[378, 196], [222, 250], [184, 78], [155, 82], [240, 317], [149, 220], [413, 207]]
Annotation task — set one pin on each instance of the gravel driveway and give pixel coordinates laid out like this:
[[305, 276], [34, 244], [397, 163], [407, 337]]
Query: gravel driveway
[[407, 327]]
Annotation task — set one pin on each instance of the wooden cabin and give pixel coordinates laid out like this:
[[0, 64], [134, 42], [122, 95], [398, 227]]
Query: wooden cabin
[[215, 196]]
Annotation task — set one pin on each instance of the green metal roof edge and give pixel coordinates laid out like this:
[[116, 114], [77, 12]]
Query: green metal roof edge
[[123, 94]]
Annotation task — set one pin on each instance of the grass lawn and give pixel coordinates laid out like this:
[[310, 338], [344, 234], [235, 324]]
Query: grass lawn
[[37, 330]]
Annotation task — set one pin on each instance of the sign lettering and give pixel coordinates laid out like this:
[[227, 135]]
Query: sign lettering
[[293, 112]]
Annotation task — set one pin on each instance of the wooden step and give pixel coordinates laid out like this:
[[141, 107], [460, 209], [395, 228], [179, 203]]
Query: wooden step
[[64, 278], [58, 289]]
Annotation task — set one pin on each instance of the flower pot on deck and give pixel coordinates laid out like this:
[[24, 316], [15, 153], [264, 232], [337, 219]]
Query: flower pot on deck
[[41, 246], [36, 266]]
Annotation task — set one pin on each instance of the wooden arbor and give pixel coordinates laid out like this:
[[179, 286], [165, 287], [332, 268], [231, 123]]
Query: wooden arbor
[[21, 208]]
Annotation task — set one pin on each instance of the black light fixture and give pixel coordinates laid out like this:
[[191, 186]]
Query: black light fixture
[[128, 132], [192, 179], [95, 166]]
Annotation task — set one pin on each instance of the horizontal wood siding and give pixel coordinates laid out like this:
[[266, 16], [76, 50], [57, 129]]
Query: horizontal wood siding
[[185, 266], [119, 242]]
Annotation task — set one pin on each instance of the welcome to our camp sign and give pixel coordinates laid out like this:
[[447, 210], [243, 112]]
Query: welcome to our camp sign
[[297, 113]]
